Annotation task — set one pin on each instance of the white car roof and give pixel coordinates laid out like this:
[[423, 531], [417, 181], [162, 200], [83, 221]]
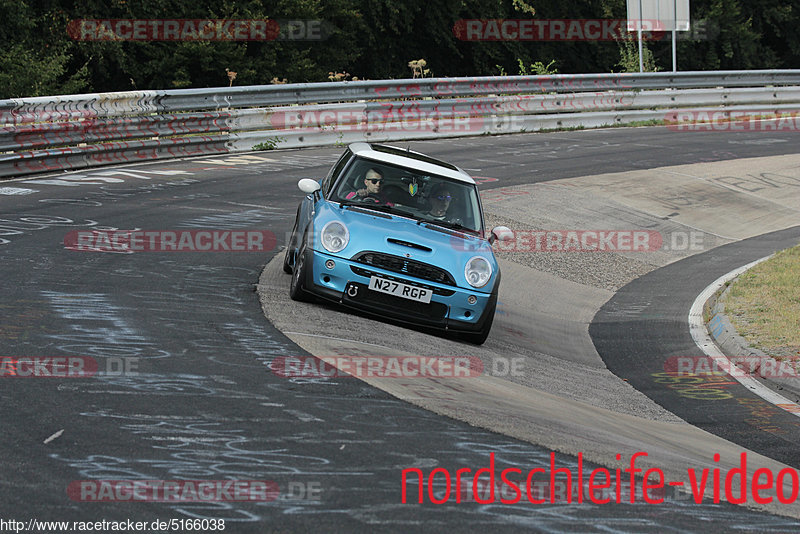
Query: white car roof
[[410, 160]]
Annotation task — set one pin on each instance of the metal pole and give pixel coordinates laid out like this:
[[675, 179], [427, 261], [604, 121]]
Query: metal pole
[[641, 61], [674, 33], [674, 51]]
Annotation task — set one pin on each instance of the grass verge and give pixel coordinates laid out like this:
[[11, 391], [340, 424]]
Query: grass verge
[[764, 305]]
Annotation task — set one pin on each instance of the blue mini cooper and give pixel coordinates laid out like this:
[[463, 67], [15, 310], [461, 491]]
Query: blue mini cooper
[[397, 234]]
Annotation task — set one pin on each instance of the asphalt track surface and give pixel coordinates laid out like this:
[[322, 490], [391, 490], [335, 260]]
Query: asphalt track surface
[[204, 404], [644, 325]]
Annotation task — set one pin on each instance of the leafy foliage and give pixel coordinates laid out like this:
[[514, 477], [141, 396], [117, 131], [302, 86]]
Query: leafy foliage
[[538, 68], [372, 39], [34, 59]]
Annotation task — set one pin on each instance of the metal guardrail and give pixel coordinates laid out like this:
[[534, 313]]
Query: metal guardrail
[[75, 131]]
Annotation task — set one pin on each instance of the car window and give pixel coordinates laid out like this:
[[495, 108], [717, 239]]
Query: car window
[[334, 172], [411, 193]]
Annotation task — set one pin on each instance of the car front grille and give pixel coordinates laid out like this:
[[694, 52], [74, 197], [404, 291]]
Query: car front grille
[[366, 273], [398, 264]]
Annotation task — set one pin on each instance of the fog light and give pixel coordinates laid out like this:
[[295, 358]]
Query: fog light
[[330, 264], [472, 299]]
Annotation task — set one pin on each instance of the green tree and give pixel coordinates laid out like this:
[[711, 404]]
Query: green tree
[[370, 39], [34, 59], [736, 44], [775, 22]]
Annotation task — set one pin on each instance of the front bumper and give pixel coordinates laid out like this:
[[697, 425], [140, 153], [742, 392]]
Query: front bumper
[[347, 282]]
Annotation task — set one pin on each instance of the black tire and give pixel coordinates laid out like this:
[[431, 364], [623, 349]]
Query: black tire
[[288, 258], [480, 336], [297, 285]]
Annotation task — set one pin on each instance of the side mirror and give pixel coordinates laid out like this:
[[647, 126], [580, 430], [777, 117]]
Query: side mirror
[[307, 185], [503, 233]]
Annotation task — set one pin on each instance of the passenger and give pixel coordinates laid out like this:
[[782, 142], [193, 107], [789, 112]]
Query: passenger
[[439, 201]]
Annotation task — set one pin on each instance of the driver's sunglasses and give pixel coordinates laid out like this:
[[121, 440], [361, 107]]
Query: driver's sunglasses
[[375, 180], [443, 197]]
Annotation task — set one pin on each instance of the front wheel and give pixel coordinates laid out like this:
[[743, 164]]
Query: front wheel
[[297, 286], [288, 258]]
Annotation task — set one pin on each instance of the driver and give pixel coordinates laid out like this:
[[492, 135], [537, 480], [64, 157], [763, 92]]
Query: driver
[[372, 188]]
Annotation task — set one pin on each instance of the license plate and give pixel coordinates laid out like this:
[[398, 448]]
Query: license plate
[[399, 289]]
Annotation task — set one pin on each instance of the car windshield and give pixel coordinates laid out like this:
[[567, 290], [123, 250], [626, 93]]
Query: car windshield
[[405, 192]]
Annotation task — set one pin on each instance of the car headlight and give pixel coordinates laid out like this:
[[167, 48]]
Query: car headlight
[[335, 236], [478, 271]]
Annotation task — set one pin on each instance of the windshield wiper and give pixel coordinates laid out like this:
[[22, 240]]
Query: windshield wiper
[[452, 226], [379, 207]]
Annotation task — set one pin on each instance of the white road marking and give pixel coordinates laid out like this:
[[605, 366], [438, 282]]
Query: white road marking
[[271, 208], [706, 343], [102, 177], [16, 191], [76, 180], [237, 160], [303, 416], [54, 436]]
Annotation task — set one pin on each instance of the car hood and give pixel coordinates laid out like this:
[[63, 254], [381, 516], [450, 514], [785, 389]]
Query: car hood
[[401, 236]]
